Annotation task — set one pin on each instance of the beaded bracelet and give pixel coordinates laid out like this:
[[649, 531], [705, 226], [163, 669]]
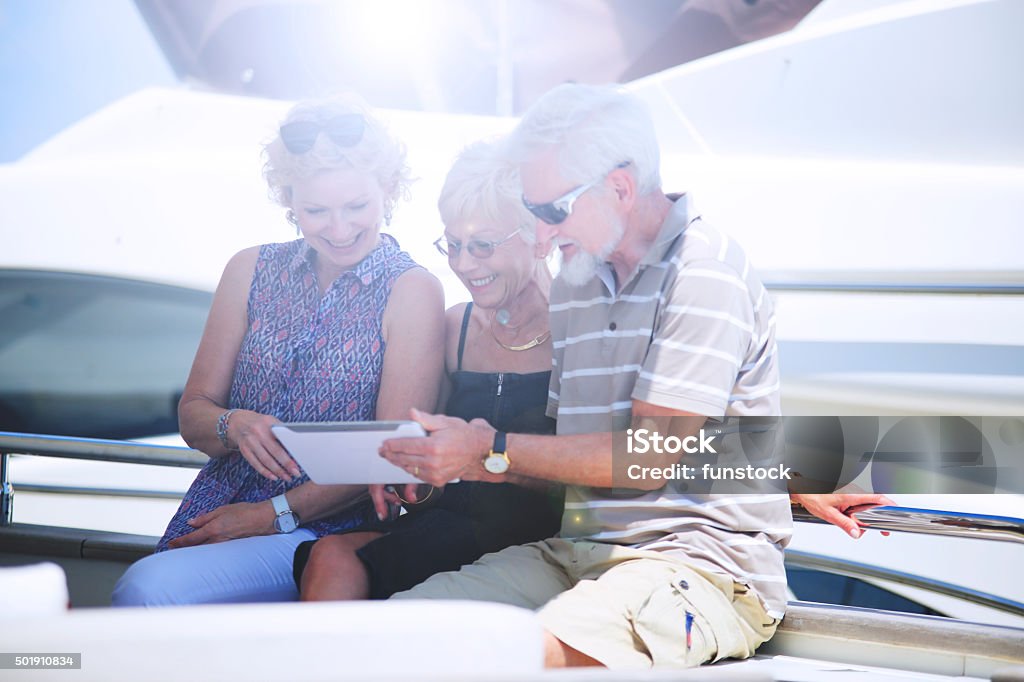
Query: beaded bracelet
[[222, 429]]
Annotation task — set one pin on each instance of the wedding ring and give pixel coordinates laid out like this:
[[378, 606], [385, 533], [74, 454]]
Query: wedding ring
[[416, 471]]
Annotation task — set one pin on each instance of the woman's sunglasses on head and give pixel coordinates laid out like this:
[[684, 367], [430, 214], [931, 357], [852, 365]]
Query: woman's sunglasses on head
[[344, 130], [556, 211], [478, 248]]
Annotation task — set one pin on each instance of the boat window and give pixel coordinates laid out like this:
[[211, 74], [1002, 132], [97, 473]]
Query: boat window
[[829, 588], [90, 356]]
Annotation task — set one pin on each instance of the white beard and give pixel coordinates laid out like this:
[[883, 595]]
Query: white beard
[[582, 267], [579, 269]]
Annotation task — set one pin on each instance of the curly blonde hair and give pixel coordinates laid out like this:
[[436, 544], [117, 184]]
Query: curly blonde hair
[[377, 152]]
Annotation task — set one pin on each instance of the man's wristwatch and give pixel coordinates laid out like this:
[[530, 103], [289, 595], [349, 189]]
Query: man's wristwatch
[[286, 520], [497, 461]]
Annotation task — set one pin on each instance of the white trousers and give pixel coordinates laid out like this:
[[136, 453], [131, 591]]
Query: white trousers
[[256, 569]]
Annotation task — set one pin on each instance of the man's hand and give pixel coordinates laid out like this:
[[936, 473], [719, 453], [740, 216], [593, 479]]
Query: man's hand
[[834, 508], [453, 450], [232, 521]]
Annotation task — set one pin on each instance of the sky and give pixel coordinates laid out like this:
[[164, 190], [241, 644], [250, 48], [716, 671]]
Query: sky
[[56, 66]]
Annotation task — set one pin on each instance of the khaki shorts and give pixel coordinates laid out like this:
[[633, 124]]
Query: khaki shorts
[[624, 607]]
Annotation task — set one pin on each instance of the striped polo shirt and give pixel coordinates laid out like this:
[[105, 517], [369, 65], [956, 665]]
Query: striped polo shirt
[[692, 330]]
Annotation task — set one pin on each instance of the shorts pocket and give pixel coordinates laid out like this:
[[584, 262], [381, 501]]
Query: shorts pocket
[[709, 598], [672, 628], [698, 636]]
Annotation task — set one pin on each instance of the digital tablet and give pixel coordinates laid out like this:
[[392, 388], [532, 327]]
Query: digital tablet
[[346, 452]]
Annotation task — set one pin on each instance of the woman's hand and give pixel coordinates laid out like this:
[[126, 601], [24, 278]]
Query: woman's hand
[[232, 521], [251, 434], [385, 497], [834, 508]]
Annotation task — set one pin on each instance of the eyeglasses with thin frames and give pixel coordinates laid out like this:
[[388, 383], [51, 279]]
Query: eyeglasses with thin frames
[[478, 248], [558, 210]]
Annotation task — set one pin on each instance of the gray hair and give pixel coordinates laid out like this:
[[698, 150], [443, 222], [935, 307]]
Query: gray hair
[[483, 184], [594, 128], [376, 153]]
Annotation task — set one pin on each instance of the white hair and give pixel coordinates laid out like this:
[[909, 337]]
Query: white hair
[[594, 129], [483, 184]]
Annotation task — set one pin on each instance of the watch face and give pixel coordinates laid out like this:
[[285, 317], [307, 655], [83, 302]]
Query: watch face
[[285, 523], [496, 464]]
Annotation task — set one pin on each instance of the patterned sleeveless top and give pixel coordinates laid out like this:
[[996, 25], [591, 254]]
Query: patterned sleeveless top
[[305, 357]]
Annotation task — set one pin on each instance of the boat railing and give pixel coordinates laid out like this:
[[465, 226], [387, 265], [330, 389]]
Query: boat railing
[[86, 449], [887, 518], [932, 522], [924, 521], [876, 282]]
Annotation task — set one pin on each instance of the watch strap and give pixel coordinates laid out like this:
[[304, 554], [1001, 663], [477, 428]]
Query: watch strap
[[499, 446], [281, 505]]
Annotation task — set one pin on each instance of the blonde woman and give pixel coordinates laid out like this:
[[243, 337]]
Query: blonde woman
[[329, 327]]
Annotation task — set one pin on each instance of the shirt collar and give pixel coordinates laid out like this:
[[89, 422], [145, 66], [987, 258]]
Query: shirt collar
[[303, 257], [677, 220], [367, 270], [679, 217]]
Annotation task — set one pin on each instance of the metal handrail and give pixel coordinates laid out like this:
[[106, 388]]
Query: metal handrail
[[894, 287], [856, 569], [100, 450], [57, 489], [932, 522], [896, 282], [93, 449]]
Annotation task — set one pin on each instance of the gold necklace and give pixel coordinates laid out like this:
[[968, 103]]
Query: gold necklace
[[532, 343], [503, 317]]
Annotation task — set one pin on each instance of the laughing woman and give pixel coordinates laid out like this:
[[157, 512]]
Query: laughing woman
[[498, 359], [329, 327]]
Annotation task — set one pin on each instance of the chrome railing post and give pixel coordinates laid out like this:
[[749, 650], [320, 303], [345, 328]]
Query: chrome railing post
[[6, 493]]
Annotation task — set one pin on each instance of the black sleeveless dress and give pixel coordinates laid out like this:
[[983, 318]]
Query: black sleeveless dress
[[470, 518]]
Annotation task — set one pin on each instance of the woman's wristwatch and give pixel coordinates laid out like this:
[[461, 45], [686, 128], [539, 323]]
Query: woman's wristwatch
[[286, 520]]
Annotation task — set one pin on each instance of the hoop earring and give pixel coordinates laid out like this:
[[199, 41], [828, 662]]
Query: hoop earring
[[293, 220]]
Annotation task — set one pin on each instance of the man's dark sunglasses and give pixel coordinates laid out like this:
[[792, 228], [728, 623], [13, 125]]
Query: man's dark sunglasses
[[556, 211], [344, 130]]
